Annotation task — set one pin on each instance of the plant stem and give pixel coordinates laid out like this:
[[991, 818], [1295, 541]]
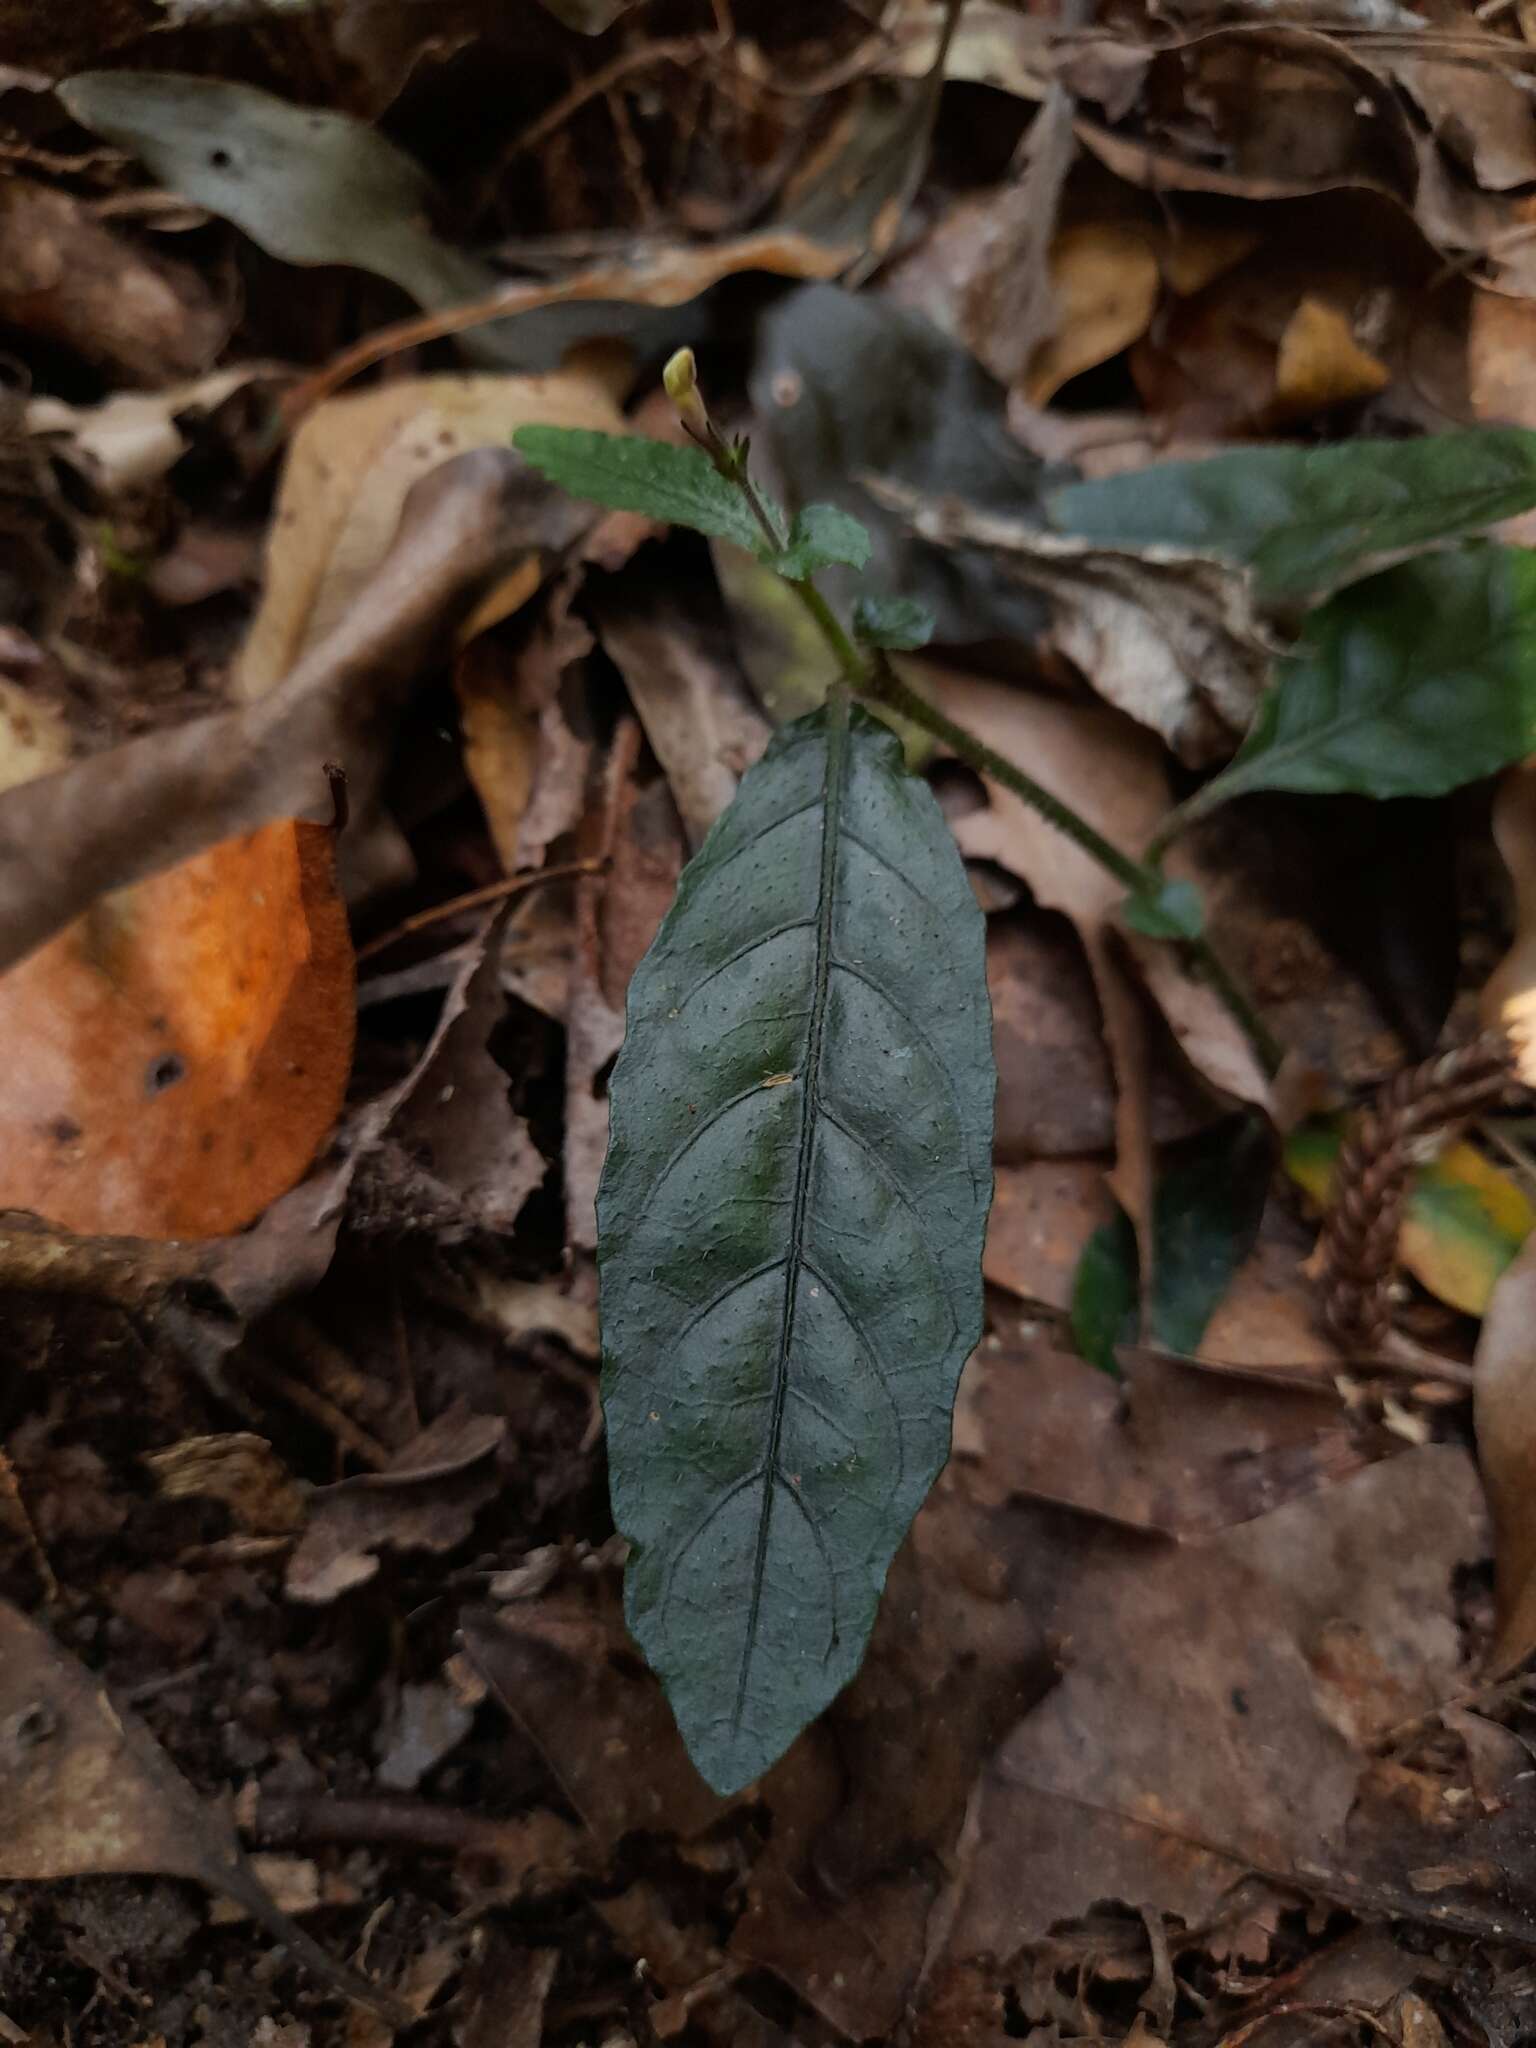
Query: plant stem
[[870, 674], [888, 687]]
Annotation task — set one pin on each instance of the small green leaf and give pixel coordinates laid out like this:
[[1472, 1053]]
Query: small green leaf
[[1308, 519], [900, 623], [1408, 684], [790, 1224], [679, 485], [1175, 911], [1206, 1210], [821, 536]]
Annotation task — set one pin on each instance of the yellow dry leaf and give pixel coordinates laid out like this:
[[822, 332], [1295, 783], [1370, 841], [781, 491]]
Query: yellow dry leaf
[[34, 735], [1321, 364], [1193, 257], [1509, 1000], [346, 478], [1106, 279]]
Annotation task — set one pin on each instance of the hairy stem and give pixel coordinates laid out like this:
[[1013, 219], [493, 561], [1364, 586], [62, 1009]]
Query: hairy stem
[[870, 674]]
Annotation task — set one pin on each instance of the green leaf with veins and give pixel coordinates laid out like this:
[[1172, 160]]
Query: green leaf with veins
[[1309, 519], [1408, 684], [821, 536], [676, 484], [790, 1226]]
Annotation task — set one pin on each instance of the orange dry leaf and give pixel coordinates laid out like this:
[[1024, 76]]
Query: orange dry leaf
[[175, 1058]]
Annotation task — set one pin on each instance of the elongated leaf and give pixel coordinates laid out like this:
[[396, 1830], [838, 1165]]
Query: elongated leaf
[[1408, 684], [632, 474], [1307, 519], [789, 1231]]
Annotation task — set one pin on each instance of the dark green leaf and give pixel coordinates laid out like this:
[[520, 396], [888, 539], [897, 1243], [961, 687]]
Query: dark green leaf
[[820, 536], [1206, 1210], [1105, 1291], [896, 622], [1308, 519], [1174, 911], [679, 485], [790, 1226], [1407, 684]]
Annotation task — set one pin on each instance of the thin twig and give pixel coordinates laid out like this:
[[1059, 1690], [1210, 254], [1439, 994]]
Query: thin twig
[[476, 899]]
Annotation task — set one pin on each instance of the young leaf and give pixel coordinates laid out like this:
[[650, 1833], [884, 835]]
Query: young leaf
[[821, 536], [900, 623], [1206, 1210], [1408, 684], [679, 485], [789, 1231], [1174, 911], [1307, 519]]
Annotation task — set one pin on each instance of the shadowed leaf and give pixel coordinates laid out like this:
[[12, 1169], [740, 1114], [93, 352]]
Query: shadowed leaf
[[790, 1220]]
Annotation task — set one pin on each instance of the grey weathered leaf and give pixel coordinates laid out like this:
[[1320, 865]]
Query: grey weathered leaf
[[307, 185], [790, 1228], [1308, 519]]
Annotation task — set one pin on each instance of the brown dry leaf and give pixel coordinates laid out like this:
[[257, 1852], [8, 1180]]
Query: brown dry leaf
[[1043, 1214], [459, 1158], [85, 1790], [1106, 281], [505, 1988], [1509, 1001], [68, 280], [1480, 112], [1114, 775], [1055, 1087], [527, 763], [345, 482], [426, 1498], [566, 1672], [133, 438], [1167, 636], [1174, 1450], [241, 1470], [1320, 364], [1215, 1697], [1504, 1408], [105, 822], [617, 916], [179, 1055], [1501, 373], [699, 716]]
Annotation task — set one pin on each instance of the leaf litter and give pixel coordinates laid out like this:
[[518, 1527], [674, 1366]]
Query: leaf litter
[[1196, 1709]]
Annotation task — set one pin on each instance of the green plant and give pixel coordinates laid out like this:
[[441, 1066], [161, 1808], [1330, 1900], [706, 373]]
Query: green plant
[[793, 1205]]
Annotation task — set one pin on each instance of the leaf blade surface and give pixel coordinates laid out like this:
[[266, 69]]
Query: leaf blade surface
[[790, 1227]]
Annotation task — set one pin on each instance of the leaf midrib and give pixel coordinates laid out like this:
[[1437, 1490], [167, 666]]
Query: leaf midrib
[[832, 787]]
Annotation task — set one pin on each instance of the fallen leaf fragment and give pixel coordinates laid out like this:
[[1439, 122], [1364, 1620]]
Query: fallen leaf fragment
[[107, 821], [1504, 1409], [1106, 279], [698, 714], [349, 470], [241, 1470], [1320, 363], [86, 1790], [179, 1055], [133, 437], [67, 279], [425, 1499]]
